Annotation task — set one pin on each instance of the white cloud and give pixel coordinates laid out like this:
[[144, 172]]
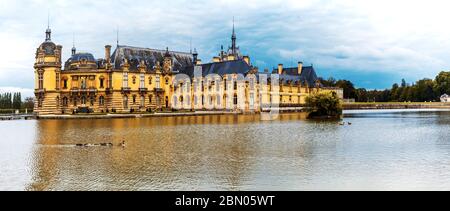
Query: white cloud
[[392, 36]]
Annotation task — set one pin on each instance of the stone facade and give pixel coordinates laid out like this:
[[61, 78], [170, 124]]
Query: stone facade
[[135, 79]]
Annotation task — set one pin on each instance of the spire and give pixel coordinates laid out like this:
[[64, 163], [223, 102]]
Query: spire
[[117, 38], [195, 55], [48, 32], [74, 50], [233, 40]]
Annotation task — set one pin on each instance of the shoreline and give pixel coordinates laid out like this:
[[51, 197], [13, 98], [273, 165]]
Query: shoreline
[[346, 107], [394, 105]]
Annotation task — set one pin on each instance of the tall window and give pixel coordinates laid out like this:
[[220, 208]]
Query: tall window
[[92, 101], [101, 101], [41, 80], [225, 84], [150, 80], [102, 83], [150, 99], [158, 82], [57, 81], [125, 80], [142, 81], [235, 99], [65, 84], [134, 99], [125, 102], [83, 100], [235, 85], [65, 101], [83, 83], [142, 101]]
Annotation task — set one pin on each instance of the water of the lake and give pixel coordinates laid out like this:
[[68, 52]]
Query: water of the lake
[[381, 150]]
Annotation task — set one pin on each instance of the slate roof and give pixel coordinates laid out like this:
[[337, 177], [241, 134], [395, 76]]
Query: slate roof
[[221, 68], [134, 55], [308, 75]]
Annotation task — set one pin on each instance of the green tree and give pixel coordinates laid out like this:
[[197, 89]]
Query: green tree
[[324, 104], [348, 87]]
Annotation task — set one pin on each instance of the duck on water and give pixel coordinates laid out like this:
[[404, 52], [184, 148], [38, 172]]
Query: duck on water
[[123, 144]]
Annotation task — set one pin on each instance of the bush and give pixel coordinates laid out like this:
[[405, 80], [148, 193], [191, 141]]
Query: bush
[[324, 105]]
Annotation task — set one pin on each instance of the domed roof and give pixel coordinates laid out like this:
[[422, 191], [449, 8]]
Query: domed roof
[[48, 47], [82, 57], [81, 61]]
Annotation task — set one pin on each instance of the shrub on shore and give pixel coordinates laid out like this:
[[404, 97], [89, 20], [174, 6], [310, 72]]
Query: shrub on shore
[[324, 105]]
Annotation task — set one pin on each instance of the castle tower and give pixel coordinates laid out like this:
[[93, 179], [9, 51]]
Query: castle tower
[[47, 76]]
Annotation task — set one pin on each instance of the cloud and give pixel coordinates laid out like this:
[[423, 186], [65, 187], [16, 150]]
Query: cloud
[[341, 38]]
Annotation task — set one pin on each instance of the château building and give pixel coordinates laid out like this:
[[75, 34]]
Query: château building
[[133, 79]]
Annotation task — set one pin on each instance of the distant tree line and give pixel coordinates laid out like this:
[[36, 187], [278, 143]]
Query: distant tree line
[[420, 91], [14, 101]]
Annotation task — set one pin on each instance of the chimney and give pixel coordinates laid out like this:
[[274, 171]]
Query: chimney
[[108, 53], [280, 69], [247, 59], [300, 67]]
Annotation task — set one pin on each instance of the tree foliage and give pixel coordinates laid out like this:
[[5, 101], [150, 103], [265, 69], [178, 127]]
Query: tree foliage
[[423, 90], [324, 104]]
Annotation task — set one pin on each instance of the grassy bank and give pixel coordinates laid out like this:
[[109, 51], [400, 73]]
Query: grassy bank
[[395, 105]]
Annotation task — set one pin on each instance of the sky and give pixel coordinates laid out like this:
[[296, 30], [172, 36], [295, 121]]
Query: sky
[[373, 43]]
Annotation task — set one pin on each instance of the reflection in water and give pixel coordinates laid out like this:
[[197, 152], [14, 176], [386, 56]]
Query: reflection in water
[[187, 153], [391, 150]]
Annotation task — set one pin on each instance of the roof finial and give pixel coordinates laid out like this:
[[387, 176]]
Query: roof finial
[[117, 37], [48, 20], [233, 24], [48, 32], [190, 45]]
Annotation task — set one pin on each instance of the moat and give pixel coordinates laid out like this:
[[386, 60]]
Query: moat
[[380, 150]]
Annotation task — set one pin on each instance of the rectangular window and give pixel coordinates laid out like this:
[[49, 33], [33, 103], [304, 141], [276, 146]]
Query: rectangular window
[[142, 84], [125, 80], [101, 83], [158, 82], [41, 81]]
